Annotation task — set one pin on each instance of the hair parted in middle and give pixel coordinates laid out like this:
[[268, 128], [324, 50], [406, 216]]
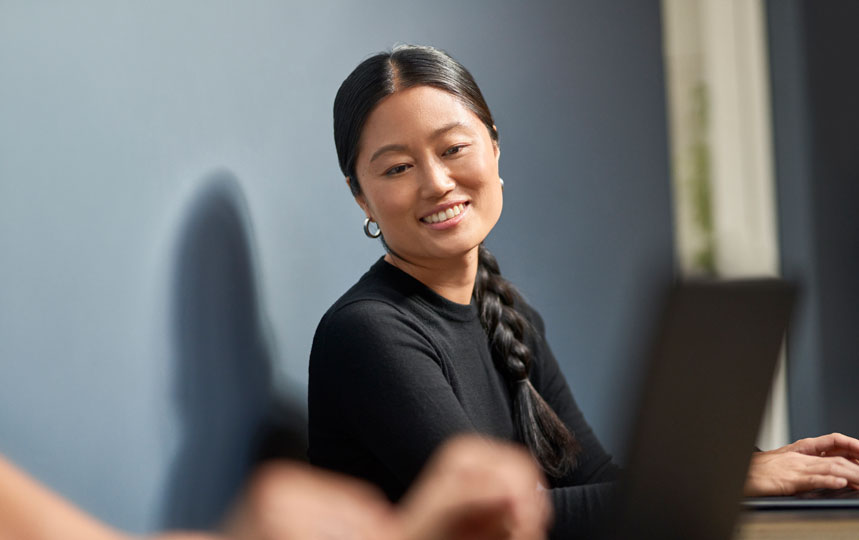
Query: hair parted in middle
[[508, 330]]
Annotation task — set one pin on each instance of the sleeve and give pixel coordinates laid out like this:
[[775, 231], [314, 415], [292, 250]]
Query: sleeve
[[582, 498], [383, 374]]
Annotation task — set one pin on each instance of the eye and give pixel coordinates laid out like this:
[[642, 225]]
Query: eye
[[395, 170], [454, 149]]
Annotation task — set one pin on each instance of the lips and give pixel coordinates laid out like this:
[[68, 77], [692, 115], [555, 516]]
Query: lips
[[446, 214]]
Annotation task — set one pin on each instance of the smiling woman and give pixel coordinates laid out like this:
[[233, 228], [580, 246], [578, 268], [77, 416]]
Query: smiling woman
[[432, 341]]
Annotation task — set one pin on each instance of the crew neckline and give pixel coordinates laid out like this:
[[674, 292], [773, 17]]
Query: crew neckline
[[413, 287]]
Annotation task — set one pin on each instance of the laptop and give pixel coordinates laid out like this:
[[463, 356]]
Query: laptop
[[828, 499], [710, 372]]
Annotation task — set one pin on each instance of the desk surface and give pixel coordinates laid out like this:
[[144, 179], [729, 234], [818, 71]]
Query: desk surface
[[798, 525]]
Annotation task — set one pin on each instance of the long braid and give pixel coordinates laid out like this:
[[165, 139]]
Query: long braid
[[549, 440]]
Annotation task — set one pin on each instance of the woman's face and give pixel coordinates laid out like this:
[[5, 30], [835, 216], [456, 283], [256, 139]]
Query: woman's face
[[428, 171]]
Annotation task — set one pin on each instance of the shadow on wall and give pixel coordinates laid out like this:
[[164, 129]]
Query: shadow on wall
[[223, 391]]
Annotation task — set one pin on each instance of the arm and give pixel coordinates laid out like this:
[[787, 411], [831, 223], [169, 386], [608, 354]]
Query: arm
[[376, 374], [470, 490], [30, 511]]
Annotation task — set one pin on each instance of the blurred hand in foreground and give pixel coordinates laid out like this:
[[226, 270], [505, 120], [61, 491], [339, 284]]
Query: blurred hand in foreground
[[472, 489], [477, 489]]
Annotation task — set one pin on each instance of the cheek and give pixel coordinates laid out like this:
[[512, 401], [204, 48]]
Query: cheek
[[495, 203], [490, 188], [480, 178], [387, 202], [477, 173]]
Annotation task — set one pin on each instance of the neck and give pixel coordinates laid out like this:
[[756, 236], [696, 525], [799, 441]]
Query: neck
[[451, 278]]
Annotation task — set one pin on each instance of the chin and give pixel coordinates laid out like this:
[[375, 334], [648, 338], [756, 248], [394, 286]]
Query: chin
[[452, 252]]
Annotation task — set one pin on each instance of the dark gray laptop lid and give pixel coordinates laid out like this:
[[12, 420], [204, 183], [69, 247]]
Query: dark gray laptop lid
[[700, 408]]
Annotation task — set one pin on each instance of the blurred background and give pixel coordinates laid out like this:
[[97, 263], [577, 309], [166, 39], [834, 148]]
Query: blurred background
[[173, 222]]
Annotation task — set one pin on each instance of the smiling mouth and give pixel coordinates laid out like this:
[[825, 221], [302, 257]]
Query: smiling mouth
[[445, 215]]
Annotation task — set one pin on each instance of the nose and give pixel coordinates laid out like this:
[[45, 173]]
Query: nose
[[436, 180]]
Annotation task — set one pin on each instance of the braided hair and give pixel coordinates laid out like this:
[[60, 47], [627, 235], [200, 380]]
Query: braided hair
[[538, 426], [508, 331]]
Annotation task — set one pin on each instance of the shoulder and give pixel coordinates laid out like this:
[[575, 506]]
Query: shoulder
[[385, 307], [373, 326], [362, 319], [366, 348], [375, 305], [381, 290], [370, 298]]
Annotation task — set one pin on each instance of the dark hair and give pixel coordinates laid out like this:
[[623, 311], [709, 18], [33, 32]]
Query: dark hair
[[549, 440]]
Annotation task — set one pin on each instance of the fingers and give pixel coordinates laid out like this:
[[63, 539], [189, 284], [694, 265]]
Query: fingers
[[783, 472], [474, 488], [519, 478], [820, 481], [834, 442], [836, 467]]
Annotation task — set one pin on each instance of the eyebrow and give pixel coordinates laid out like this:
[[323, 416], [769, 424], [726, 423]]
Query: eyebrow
[[401, 147]]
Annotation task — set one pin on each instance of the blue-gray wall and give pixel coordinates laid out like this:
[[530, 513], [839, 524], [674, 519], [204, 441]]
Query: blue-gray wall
[[173, 222], [814, 48]]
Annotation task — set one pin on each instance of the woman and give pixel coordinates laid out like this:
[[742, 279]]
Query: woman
[[432, 341]]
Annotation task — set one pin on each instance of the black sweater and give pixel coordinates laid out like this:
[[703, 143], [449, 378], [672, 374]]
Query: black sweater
[[396, 369]]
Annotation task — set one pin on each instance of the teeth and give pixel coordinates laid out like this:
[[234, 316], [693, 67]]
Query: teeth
[[444, 215]]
